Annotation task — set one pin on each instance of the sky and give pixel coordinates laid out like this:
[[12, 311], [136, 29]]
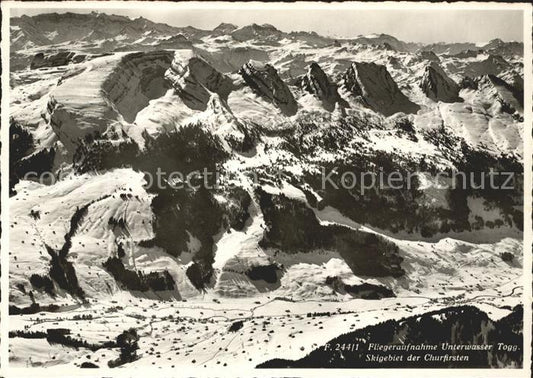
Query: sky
[[426, 26]]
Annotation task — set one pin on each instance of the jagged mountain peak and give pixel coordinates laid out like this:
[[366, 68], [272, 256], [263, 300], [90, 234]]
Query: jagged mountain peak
[[71, 16], [494, 42], [74, 27], [386, 40], [265, 81], [317, 83], [195, 80], [264, 32], [315, 67], [225, 27], [449, 48], [437, 85], [497, 46], [428, 55], [374, 85], [499, 95], [264, 26]]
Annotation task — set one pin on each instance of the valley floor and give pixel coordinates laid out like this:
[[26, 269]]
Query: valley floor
[[197, 332]]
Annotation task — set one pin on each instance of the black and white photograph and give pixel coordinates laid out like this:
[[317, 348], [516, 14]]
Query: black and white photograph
[[229, 188]]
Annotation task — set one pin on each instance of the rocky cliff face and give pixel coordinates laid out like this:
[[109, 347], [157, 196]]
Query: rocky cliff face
[[57, 59], [54, 28], [374, 85], [499, 47], [194, 80], [492, 65], [467, 54], [115, 87], [429, 55], [499, 95], [438, 86], [224, 28], [231, 59], [382, 39], [265, 82], [136, 80], [174, 42], [449, 48], [266, 33], [317, 83]]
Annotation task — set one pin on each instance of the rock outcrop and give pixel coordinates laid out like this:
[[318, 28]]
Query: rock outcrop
[[264, 32], [499, 95], [61, 58], [467, 54], [428, 55], [395, 63], [380, 39], [317, 83], [53, 28], [516, 81], [231, 59], [195, 80], [362, 290], [438, 86], [138, 79], [175, 42], [374, 86], [449, 48], [265, 82], [493, 65], [499, 47], [224, 28], [223, 123]]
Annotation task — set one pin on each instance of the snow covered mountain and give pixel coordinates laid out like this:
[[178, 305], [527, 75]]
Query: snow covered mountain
[[104, 103]]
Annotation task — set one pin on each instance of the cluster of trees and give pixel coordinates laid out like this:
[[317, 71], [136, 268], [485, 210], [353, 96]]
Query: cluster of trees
[[137, 280], [293, 227], [22, 156], [453, 325]]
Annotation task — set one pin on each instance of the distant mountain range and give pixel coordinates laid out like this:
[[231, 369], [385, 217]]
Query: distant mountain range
[[56, 29]]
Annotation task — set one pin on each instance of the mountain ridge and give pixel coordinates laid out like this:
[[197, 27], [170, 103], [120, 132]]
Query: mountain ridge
[[192, 32]]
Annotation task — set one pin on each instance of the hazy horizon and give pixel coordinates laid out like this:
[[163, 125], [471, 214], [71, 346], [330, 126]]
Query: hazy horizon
[[432, 26]]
